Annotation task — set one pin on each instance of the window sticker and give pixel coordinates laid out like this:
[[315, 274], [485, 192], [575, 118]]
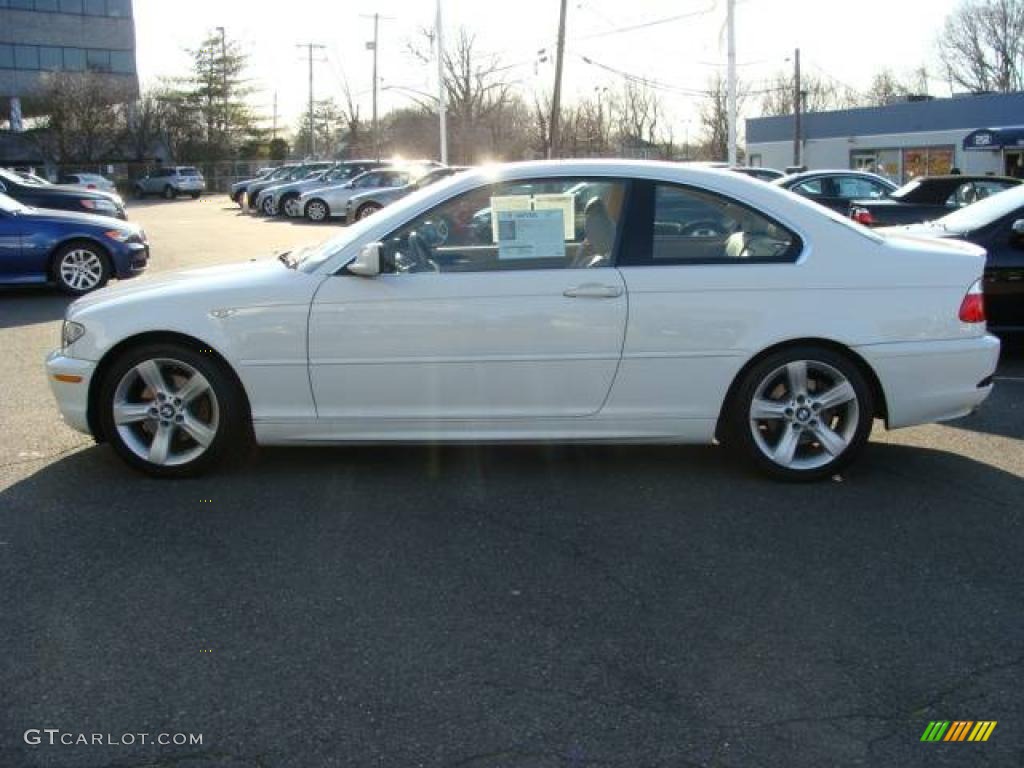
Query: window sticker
[[530, 234], [502, 203], [566, 203]]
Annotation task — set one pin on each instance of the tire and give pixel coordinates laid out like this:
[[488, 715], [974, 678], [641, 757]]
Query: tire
[[367, 209], [170, 193], [140, 193], [195, 195], [80, 267], [159, 433], [289, 206], [317, 210], [267, 207], [801, 414]]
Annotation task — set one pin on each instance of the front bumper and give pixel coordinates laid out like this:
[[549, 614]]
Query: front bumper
[[933, 380], [130, 259], [69, 381]]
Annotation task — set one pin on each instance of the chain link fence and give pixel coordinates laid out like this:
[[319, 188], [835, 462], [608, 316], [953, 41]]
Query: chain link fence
[[219, 176]]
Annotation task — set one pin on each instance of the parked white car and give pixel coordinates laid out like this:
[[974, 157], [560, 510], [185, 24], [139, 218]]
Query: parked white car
[[598, 301]]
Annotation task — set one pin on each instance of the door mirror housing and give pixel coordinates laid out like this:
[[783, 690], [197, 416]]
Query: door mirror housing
[[367, 263], [1018, 228]]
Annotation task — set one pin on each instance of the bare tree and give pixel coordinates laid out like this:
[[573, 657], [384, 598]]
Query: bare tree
[[819, 94], [714, 117], [637, 112], [477, 93], [83, 117], [887, 88], [982, 45]]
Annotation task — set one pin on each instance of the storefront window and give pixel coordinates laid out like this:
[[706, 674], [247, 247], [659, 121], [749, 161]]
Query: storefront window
[[926, 161]]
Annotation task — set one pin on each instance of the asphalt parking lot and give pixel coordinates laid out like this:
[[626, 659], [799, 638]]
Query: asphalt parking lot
[[495, 606]]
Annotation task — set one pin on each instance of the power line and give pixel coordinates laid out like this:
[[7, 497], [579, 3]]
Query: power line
[[647, 24]]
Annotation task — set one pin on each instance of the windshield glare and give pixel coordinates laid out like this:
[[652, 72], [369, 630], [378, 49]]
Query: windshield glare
[[906, 189]]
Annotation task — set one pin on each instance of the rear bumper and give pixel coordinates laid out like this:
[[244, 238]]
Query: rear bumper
[[71, 389], [934, 380]]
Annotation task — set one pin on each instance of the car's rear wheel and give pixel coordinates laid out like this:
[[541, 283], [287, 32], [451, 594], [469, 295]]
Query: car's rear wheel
[[81, 267], [367, 209], [802, 413], [290, 206], [317, 210], [195, 195], [169, 193], [170, 410]]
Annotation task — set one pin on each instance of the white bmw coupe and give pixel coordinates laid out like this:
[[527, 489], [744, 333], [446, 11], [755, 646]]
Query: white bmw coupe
[[597, 301]]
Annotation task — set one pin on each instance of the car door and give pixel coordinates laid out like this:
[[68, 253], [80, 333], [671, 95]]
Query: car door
[[12, 268], [524, 319], [1004, 273]]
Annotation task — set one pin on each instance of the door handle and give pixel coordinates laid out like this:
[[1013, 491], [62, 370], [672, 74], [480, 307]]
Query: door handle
[[593, 291]]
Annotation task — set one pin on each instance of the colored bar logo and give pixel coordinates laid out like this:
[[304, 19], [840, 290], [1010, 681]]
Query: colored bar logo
[[958, 730]]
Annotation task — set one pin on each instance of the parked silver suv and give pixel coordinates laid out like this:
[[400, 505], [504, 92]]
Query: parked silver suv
[[171, 181]]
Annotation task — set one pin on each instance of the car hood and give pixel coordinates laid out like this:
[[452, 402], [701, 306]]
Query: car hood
[[50, 216], [252, 282]]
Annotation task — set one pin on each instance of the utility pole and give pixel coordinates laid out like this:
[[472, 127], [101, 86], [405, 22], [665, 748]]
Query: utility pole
[[797, 110], [556, 97], [730, 22], [442, 101], [312, 124], [372, 46]]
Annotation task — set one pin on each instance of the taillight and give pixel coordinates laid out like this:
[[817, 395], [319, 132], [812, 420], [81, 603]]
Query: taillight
[[972, 308], [862, 216], [90, 186]]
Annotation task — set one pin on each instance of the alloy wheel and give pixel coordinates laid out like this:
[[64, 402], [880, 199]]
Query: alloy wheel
[[81, 269], [166, 412], [316, 210], [804, 415]]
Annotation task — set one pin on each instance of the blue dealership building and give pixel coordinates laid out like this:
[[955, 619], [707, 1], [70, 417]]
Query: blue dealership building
[[977, 133]]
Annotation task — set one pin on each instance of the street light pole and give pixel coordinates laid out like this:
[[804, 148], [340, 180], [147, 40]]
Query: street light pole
[[731, 78], [442, 104]]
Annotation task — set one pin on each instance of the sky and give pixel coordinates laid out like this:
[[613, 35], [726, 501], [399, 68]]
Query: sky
[[678, 43]]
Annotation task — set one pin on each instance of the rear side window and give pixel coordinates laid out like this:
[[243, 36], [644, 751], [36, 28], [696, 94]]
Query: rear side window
[[812, 188], [685, 225], [188, 171]]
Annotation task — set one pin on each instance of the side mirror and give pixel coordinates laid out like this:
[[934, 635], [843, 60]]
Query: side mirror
[[367, 263], [1018, 227]]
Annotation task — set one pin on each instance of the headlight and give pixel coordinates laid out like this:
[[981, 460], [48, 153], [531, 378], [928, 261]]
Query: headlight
[[70, 333], [122, 235]]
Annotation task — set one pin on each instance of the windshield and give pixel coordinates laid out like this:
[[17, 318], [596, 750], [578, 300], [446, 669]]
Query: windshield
[[984, 212], [10, 205], [317, 255]]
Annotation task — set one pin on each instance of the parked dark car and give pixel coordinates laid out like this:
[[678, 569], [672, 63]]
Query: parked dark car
[[835, 189], [927, 197], [997, 225], [287, 173], [239, 187], [77, 251], [758, 172], [59, 197]]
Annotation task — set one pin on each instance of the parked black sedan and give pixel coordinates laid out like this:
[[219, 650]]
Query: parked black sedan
[[928, 197], [835, 189], [997, 225], [60, 197]]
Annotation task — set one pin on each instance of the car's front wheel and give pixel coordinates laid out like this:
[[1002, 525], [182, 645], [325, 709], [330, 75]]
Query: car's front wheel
[[171, 410], [317, 210], [367, 209], [268, 207], [290, 206], [802, 413], [81, 267]]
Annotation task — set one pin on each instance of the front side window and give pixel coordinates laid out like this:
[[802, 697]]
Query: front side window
[[569, 223], [692, 226]]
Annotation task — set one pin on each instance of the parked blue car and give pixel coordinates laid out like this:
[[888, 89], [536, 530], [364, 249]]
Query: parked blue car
[[79, 252]]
